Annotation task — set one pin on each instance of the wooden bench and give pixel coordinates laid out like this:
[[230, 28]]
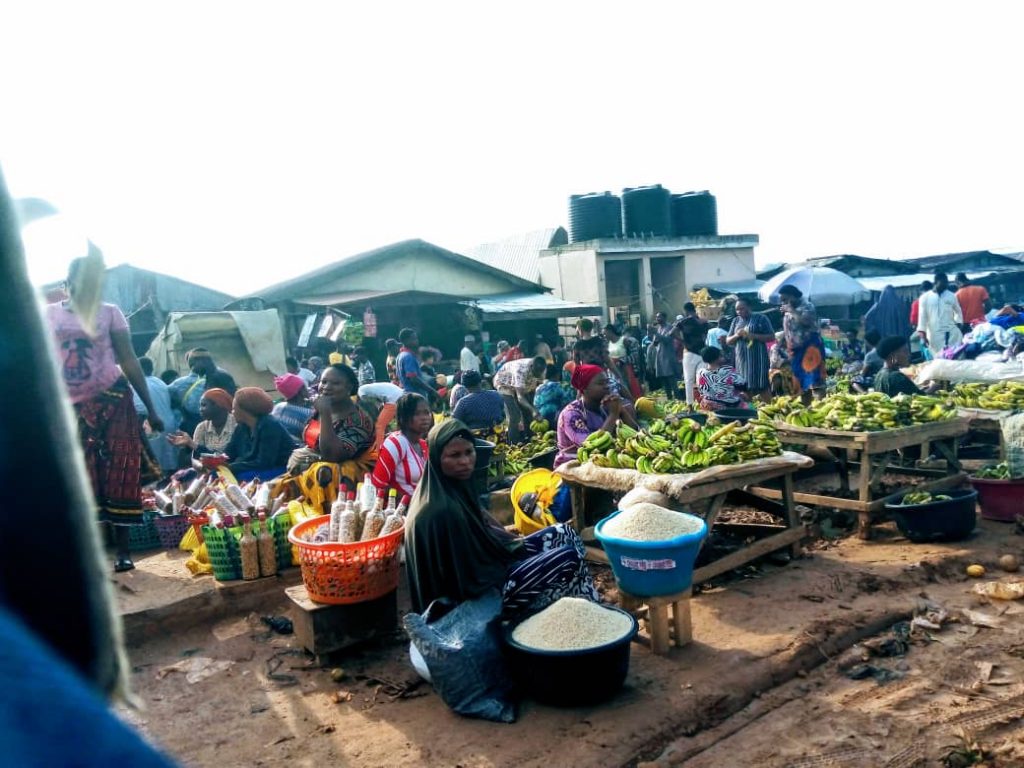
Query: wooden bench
[[655, 612]]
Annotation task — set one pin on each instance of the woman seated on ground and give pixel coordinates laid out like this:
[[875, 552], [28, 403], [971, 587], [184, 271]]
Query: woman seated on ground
[[596, 408], [891, 381], [551, 396], [350, 437], [216, 429], [294, 411], [719, 385], [479, 408], [403, 454], [261, 445], [455, 549]]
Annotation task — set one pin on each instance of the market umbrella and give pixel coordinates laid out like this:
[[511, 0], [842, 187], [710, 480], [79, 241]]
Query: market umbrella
[[819, 285]]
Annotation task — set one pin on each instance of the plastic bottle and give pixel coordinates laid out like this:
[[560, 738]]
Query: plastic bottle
[[249, 552], [336, 509], [403, 507], [393, 520], [267, 548], [367, 494], [375, 519], [392, 498], [348, 522]]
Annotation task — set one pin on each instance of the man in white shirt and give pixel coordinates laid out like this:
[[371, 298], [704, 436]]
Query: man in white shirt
[[303, 373], [468, 360], [939, 316]]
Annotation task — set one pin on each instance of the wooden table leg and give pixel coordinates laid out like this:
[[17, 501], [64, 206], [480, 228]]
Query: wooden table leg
[[657, 625], [843, 459], [949, 454], [792, 516], [864, 495], [682, 624], [578, 513], [714, 508]]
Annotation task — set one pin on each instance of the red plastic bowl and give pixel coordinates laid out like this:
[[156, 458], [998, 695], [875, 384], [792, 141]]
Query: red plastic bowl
[[999, 499], [212, 461]]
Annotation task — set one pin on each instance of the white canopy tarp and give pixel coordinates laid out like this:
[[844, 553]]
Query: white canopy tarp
[[248, 345], [819, 285]]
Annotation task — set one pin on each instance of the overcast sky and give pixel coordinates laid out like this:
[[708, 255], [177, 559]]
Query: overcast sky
[[239, 143]]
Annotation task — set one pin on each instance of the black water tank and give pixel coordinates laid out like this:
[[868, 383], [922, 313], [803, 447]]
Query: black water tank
[[694, 213], [594, 215], [646, 211]]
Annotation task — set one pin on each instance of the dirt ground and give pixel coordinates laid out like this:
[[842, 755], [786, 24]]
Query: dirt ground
[[760, 684]]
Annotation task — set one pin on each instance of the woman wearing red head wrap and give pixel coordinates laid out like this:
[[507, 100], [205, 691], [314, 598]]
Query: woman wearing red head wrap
[[596, 408]]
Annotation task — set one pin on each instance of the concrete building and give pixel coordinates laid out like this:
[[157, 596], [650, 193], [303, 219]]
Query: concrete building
[[633, 278]]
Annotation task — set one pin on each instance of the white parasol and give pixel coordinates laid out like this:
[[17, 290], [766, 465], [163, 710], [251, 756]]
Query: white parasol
[[819, 285]]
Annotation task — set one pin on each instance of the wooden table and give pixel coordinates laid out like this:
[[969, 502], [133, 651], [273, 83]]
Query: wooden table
[[714, 491], [981, 420], [875, 450]]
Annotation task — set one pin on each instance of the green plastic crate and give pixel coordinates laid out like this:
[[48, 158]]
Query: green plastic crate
[[279, 527], [222, 547]]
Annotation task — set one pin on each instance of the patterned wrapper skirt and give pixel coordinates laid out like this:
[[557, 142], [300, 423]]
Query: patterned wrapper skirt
[[117, 456]]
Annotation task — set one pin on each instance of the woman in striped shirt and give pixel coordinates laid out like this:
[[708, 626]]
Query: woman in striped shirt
[[403, 453]]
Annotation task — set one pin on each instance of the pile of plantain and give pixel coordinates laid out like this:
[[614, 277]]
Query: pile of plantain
[[516, 458], [1003, 396], [915, 498], [669, 447], [869, 412]]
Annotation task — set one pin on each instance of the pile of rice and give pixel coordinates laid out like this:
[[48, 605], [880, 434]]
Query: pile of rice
[[572, 624], [649, 522]]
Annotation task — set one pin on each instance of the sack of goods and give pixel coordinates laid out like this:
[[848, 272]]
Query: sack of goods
[[572, 624], [649, 522]]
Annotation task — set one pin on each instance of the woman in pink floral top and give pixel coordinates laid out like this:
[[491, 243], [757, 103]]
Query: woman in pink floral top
[[717, 383]]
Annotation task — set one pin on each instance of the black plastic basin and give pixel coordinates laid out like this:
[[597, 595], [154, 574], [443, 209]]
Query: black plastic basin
[[939, 520], [571, 678]]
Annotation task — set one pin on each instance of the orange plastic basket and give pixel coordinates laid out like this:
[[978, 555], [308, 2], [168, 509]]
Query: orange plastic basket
[[342, 574]]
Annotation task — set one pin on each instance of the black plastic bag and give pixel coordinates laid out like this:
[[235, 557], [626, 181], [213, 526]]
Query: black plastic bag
[[461, 645]]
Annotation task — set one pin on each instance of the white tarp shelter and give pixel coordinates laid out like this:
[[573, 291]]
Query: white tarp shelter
[[248, 345]]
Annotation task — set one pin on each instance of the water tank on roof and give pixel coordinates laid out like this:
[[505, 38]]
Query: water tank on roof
[[646, 211], [694, 213], [594, 215]]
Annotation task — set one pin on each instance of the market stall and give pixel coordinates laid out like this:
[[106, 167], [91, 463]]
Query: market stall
[[588, 483], [871, 452]]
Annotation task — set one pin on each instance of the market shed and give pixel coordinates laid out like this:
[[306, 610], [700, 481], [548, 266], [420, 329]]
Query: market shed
[[413, 283], [248, 345]]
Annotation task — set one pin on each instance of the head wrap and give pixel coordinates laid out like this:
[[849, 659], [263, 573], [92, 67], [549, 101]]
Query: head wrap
[[289, 385], [453, 548], [197, 354], [219, 397], [584, 374], [254, 400], [468, 337], [502, 345]]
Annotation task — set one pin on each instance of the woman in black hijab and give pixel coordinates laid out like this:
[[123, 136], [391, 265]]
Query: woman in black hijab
[[456, 550]]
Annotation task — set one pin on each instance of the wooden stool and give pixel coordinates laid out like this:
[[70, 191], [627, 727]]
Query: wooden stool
[[326, 629], [656, 618]]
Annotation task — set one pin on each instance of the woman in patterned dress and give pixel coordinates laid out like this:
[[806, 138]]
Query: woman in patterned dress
[[749, 334]]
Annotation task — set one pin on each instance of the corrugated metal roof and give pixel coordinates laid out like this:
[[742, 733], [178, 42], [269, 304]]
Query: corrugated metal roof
[[311, 281], [526, 305], [519, 254], [877, 284], [736, 286], [944, 260]]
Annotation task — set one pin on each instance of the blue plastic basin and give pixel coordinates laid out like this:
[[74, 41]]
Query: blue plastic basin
[[653, 568]]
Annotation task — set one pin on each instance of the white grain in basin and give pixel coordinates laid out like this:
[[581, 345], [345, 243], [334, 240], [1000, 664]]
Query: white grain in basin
[[649, 522], [572, 624]]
